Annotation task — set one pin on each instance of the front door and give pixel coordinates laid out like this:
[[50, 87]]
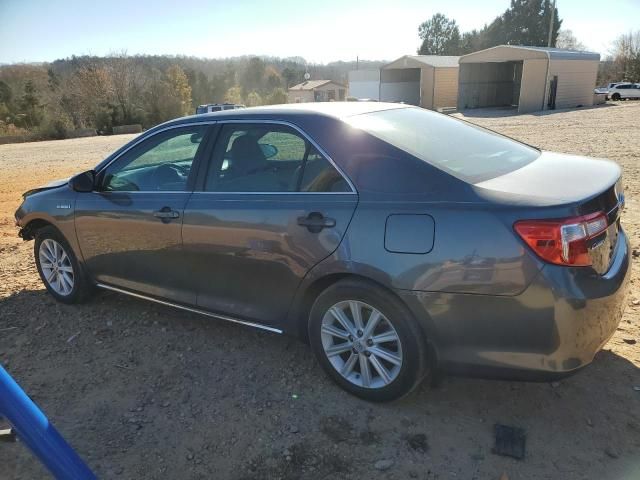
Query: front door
[[271, 207], [129, 229]]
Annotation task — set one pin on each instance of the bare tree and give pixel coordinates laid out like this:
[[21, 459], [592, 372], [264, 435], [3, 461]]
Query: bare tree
[[128, 81], [626, 56], [89, 97], [566, 39]]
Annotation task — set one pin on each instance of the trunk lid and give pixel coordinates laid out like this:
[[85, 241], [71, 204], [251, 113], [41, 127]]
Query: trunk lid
[[554, 179], [583, 185]]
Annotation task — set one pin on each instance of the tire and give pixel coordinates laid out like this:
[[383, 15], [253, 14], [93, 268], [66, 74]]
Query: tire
[[615, 97], [61, 273], [358, 353]]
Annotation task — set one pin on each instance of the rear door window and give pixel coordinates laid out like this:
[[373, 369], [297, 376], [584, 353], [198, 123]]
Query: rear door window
[[260, 158]]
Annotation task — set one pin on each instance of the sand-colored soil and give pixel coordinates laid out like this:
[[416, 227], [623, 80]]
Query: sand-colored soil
[[144, 392]]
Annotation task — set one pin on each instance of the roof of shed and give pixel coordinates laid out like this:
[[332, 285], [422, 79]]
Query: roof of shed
[[312, 84], [510, 52], [563, 54], [417, 61]]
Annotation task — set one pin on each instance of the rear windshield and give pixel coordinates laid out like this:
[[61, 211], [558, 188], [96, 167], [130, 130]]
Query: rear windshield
[[466, 151]]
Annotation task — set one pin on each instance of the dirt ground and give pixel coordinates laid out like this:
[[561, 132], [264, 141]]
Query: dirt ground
[[143, 391]]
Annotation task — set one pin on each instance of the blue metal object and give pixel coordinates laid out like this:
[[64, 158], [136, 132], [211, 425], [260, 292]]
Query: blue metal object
[[35, 430]]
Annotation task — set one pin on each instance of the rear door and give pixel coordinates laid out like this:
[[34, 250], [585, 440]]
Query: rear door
[[271, 206], [129, 229], [624, 90]]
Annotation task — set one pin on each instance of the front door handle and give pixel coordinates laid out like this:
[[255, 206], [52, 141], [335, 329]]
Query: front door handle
[[316, 221], [166, 214]]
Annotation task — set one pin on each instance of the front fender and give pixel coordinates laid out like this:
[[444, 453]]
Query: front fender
[[54, 207]]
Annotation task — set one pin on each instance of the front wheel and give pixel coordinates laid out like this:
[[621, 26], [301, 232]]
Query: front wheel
[[58, 267], [367, 341]]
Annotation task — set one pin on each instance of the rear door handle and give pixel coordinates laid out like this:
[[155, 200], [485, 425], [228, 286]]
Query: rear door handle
[[166, 214], [316, 221]]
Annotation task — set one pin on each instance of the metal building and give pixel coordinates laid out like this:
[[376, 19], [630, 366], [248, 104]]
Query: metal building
[[527, 78], [364, 84], [430, 81]]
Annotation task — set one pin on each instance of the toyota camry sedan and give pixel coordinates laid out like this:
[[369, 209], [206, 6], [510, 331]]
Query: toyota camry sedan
[[395, 240]]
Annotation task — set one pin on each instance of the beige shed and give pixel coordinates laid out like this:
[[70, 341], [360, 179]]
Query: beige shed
[[430, 81], [527, 78]]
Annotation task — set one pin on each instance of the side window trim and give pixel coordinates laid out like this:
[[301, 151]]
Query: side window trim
[[307, 149], [200, 188], [204, 160], [197, 161]]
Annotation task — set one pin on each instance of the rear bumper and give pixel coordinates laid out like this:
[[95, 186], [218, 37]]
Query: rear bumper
[[555, 327]]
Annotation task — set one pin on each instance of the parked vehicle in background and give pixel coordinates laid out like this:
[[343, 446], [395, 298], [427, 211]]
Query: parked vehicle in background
[[394, 239], [217, 107], [624, 91], [606, 88]]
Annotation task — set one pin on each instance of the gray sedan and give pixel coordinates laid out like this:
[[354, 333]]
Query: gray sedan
[[397, 241]]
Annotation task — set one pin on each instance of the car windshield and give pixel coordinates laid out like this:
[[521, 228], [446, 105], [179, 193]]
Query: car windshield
[[466, 151]]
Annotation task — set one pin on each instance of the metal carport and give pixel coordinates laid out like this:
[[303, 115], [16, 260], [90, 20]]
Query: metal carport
[[527, 78], [430, 81]]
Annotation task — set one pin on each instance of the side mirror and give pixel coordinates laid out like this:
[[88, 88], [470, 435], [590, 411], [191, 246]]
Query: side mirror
[[83, 182], [268, 150]]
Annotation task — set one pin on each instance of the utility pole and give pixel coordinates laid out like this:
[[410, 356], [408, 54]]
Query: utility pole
[[551, 19]]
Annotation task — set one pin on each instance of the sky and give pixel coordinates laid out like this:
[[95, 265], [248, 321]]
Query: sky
[[320, 31]]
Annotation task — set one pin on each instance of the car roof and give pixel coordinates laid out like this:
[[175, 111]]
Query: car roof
[[327, 109], [336, 110]]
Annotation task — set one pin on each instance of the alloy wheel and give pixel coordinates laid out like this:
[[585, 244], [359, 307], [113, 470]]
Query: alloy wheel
[[56, 267], [361, 344]]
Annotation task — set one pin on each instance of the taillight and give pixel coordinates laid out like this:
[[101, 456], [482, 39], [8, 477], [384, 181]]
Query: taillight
[[562, 241]]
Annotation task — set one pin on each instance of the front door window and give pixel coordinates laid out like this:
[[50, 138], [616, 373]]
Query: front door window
[[160, 163]]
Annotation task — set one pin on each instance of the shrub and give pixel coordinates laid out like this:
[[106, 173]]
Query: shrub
[[10, 130], [254, 99], [56, 126], [233, 95], [277, 97]]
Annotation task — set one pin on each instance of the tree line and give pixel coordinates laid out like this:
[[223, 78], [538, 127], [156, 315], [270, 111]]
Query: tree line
[[51, 100], [525, 22]]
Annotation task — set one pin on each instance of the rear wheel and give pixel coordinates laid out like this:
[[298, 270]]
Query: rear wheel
[[58, 267], [367, 341], [615, 96]]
